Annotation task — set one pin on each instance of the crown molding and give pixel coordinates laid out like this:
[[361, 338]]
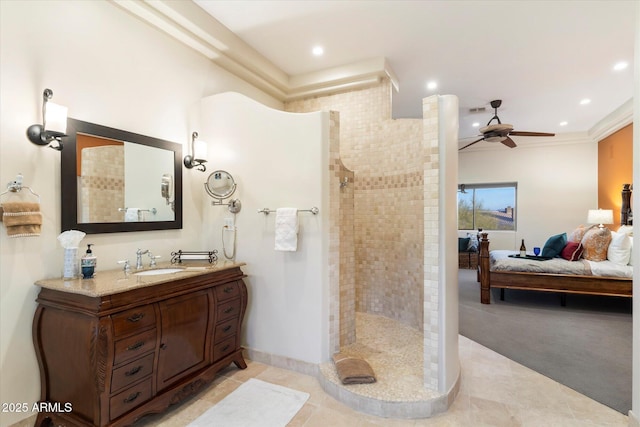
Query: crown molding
[[186, 22], [615, 121]]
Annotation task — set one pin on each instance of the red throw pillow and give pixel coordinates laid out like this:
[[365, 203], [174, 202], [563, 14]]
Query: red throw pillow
[[572, 251]]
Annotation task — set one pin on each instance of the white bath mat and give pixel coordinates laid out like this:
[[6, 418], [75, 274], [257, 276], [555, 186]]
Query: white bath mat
[[254, 404]]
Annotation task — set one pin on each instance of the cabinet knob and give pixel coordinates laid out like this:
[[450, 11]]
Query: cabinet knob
[[228, 289], [163, 346], [228, 310], [226, 328]]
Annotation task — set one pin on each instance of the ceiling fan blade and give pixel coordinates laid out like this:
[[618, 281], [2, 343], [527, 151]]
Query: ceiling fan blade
[[523, 133], [469, 145], [509, 142]]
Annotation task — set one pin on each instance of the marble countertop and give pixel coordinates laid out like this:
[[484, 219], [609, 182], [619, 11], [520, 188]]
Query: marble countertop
[[109, 282]]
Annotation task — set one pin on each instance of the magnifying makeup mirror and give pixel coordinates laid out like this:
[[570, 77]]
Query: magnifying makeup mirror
[[220, 185]]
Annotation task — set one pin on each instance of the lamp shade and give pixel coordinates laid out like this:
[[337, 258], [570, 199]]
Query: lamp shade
[[55, 118], [199, 149], [600, 216]]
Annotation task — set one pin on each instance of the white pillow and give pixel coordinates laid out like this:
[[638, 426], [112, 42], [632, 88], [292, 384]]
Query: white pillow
[[631, 253], [626, 229], [619, 250]]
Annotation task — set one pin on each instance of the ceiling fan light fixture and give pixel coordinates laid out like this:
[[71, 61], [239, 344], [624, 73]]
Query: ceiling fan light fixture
[[495, 138], [502, 128]]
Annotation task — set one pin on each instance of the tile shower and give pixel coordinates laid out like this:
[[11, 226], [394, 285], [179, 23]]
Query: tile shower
[[378, 240], [384, 255]]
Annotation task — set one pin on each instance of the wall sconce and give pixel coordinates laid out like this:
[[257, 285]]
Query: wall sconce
[[600, 217], [198, 153], [54, 123]]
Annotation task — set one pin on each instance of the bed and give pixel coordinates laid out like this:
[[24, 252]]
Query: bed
[[564, 283], [496, 269]]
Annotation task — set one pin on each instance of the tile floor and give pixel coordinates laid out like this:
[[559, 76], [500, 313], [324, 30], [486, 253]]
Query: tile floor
[[495, 391]]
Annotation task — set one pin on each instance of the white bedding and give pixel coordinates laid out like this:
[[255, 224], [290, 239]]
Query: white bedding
[[500, 261]]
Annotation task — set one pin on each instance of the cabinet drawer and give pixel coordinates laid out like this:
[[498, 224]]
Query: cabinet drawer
[[129, 399], [223, 348], [225, 330], [135, 346], [226, 291], [227, 310], [131, 372], [133, 320]]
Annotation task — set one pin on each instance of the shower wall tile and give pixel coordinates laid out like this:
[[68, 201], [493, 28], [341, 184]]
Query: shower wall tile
[[386, 157], [102, 192]]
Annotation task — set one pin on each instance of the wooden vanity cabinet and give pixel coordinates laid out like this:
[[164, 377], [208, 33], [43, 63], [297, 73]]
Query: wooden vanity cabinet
[[115, 357]]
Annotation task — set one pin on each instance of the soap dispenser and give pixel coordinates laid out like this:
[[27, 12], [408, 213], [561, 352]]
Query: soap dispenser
[[88, 263]]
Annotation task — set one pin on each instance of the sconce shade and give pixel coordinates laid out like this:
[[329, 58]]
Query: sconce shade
[[55, 120], [200, 150], [600, 216]]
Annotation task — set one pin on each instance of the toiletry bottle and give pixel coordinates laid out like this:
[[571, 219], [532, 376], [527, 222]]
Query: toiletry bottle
[[88, 263]]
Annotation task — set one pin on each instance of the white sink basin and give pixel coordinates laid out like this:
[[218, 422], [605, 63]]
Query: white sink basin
[[158, 271]]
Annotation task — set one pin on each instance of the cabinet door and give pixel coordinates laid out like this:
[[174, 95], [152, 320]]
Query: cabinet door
[[184, 340]]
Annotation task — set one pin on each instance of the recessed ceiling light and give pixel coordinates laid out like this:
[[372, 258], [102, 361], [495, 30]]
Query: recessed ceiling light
[[563, 123], [432, 85], [585, 101], [475, 124], [620, 66], [318, 51]]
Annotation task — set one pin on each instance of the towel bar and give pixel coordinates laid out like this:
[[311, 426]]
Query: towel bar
[[267, 211]]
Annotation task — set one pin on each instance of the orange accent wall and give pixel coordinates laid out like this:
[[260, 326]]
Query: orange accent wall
[[615, 167]]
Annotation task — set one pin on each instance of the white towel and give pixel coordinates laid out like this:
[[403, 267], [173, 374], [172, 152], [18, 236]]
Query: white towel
[[286, 229], [132, 215]]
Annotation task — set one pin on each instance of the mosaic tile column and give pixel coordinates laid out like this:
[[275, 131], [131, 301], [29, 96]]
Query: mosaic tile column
[[342, 322], [431, 236]]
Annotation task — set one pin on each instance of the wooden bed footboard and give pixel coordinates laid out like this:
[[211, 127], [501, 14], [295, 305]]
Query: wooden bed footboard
[[562, 283]]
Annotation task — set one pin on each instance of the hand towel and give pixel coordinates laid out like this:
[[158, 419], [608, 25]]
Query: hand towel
[[22, 219], [286, 229], [353, 370], [131, 215]]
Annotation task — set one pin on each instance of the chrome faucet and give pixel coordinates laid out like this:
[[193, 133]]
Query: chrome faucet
[[139, 254], [153, 258]]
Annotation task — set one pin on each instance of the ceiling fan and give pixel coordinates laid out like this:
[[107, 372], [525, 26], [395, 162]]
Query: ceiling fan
[[500, 132]]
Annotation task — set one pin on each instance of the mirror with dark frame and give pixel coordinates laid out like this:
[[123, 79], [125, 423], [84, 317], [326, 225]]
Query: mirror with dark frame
[[117, 181]]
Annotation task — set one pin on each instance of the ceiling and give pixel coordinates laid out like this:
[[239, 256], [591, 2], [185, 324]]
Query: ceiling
[[540, 57]]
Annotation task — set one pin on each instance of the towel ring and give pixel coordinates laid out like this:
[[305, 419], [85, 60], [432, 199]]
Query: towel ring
[[16, 186]]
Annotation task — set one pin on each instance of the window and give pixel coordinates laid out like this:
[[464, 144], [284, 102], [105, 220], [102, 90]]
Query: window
[[487, 206]]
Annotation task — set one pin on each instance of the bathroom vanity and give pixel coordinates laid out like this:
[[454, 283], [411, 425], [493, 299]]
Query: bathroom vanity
[[116, 347]]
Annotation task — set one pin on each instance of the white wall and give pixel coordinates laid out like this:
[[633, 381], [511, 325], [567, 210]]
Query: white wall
[[108, 68], [448, 296], [278, 159], [557, 184]]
